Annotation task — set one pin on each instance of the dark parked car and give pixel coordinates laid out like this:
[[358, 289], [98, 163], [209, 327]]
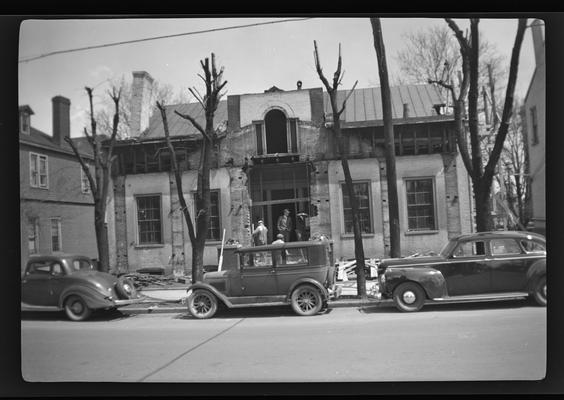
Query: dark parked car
[[72, 283], [301, 274], [474, 267]]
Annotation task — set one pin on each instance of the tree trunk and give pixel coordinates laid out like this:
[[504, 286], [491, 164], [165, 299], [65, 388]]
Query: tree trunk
[[483, 205], [395, 243], [102, 241]]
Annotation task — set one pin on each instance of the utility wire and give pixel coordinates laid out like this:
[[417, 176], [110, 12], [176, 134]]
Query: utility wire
[[157, 37]]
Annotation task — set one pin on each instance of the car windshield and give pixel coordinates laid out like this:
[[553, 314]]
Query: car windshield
[[447, 248], [81, 265]]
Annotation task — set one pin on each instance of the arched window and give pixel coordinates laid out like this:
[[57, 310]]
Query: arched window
[[276, 134]]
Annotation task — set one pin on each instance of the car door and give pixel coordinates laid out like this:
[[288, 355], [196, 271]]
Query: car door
[[56, 283], [509, 265], [468, 271], [258, 274], [35, 288]]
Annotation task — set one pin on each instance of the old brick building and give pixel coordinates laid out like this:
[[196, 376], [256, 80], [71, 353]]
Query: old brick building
[[56, 207], [279, 153]]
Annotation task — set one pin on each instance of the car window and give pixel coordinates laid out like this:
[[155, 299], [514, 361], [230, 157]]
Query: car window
[[505, 246], [39, 268], [533, 247], [56, 269], [256, 259], [469, 249], [78, 265], [291, 256]]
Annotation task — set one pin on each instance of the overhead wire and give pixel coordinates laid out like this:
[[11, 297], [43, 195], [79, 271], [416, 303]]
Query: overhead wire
[[52, 53]]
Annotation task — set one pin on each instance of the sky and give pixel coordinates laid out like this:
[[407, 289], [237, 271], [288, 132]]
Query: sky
[[255, 58]]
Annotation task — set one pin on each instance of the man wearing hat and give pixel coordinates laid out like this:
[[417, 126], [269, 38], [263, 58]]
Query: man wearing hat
[[260, 234], [284, 225]]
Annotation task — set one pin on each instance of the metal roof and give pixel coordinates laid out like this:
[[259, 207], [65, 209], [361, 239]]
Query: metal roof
[[364, 105], [40, 139]]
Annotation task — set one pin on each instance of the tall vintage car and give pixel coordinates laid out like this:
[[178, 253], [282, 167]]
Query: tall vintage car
[[473, 267], [301, 274], [72, 283]]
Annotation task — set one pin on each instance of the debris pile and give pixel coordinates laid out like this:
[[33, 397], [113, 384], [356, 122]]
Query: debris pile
[[143, 280]]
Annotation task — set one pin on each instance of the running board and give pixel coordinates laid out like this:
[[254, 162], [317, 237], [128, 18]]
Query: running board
[[481, 297], [29, 307], [245, 305]]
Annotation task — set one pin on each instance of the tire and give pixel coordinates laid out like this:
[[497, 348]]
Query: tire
[[76, 308], [539, 293], [306, 300], [202, 304], [125, 288], [409, 297]]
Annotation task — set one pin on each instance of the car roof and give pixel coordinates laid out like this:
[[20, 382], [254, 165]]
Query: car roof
[[57, 256], [289, 245], [500, 234]]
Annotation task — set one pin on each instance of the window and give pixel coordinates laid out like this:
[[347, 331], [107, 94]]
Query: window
[[38, 171], [39, 268], [33, 236], [276, 133], [362, 192], [291, 256], [420, 205], [149, 219], [532, 247], [24, 123], [56, 234], [84, 182], [78, 265], [214, 227], [469, 249], [534, 124], [258, 259], [505, 246]]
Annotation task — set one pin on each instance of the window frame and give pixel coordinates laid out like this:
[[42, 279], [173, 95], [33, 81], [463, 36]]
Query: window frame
[[342, 189], [36, 165], [434, 228], [33, 224], [59, 234], [139, 242], [25, 123]]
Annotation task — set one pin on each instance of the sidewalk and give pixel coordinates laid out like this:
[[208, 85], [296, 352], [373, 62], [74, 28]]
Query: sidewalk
[[169, 299]]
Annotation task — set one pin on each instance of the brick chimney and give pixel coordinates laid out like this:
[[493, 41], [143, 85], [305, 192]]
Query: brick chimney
[[61, 119], [538, 40], [140, 102]]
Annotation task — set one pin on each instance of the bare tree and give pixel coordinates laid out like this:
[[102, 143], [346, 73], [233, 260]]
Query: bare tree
[[336, 128], [393, 207], [481, 172], [102, 153], [210, 136]]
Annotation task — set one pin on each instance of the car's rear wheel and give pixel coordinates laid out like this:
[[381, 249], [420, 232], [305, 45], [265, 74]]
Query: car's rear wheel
[[306, 300], [409, 296], [539, 293], [202, 304], [76, 308], [125, 288]]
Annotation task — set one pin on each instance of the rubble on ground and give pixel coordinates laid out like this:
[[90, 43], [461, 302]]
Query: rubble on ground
[[142, 280]]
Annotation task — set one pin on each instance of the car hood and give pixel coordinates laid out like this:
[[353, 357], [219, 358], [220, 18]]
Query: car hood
[[412, 261], [102, 278]]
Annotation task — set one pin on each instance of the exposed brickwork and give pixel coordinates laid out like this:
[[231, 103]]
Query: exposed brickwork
[[120, 218], [451, 193], [233, 113], [177, 264]]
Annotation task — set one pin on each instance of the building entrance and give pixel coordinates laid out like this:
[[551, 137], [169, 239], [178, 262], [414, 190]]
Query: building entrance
[[276, 187]]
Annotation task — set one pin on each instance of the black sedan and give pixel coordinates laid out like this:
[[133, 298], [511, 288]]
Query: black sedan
[[472, 267], [72, 283]]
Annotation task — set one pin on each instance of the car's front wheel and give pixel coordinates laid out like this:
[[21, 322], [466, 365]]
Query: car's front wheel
[[202, 304], [76, 308], [409, 296], [540, 291], [306, 300]]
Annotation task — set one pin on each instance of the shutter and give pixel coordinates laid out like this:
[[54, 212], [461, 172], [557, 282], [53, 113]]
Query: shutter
[[294, 135], [258, 130]]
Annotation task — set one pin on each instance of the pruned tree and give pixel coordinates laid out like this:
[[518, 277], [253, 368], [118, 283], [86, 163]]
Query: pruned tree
[[209, 101], [336, 128], [102, 153], [481, 172], [393, 206]]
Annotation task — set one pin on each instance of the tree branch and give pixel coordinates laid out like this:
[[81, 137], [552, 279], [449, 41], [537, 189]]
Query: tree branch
[[346, 98], [84, 166], [194, 123]]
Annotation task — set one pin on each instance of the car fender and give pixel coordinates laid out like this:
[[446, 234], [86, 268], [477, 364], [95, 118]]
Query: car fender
[[535, 271], [93, 298], [430, 279], [309, 281], [205, 286]]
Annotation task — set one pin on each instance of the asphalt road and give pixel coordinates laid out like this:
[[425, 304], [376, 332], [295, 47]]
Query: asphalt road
[[454, 342]]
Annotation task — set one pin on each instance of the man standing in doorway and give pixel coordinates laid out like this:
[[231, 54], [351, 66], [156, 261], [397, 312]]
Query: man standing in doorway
[[260, 234], [284, 225]]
